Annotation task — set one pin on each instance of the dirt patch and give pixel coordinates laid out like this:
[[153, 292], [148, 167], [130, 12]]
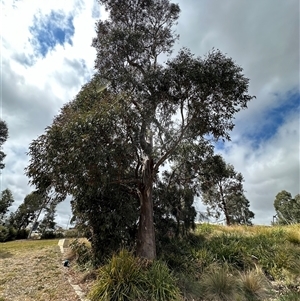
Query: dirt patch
[[34, 271]]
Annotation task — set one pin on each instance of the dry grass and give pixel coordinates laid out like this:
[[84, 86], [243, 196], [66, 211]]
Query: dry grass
[[33, 271]]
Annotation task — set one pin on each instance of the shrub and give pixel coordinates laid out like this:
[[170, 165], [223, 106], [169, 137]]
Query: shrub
[[230, 248], [190, 287], [178, 255], [204, 259], [82, 253], [72, 233], [7, 233], [48, 235], [12, 233], [121, 279], [22, 234]]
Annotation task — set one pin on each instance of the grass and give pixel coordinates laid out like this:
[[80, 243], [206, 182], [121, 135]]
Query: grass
[[32, 270], [13, 247], [219, 285], [253, 285], [126, 278], [244, 250], [214, 262]]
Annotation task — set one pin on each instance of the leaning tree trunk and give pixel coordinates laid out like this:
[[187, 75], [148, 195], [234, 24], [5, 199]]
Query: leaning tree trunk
[[146, 246]]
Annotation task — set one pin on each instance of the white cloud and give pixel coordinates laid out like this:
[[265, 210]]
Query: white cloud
[[270, 168]]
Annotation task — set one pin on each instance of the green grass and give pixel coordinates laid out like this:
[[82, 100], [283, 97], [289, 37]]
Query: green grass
[[243, 250], [11, 248], [212, 263], [126, 278], [293, 296]]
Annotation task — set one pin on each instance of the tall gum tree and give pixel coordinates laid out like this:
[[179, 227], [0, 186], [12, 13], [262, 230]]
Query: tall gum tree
[[203, 94], [148, 110]]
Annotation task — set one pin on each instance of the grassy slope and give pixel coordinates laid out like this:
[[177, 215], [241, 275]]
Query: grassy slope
[[212, 258], [273, 250], [223, 263]]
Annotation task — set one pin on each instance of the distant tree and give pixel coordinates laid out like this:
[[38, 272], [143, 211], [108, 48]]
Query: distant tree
[[124, 134], [239, 210], [27, 211], [287, 208], [48, 222], [222, 190], [6, 200], [176, 190], [3, 138]]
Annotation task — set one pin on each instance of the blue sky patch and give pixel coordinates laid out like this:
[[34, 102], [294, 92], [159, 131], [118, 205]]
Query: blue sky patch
[[274, 118], [50, 30]]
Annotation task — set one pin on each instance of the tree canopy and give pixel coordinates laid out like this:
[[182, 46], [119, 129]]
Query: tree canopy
[[108, 145], [287, 208]]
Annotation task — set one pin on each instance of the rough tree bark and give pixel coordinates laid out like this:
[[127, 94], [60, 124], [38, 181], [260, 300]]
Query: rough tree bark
[[146, 247]]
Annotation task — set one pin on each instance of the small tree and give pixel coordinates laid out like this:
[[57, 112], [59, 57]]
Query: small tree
[[6, 200], [287, 208], [222, 190]]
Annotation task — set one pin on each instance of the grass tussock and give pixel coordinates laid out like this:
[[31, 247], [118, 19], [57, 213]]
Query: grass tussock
[[126, 277], [253, 285], [218, 284]]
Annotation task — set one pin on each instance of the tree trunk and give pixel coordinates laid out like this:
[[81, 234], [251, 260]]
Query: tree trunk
[[146, 246], [228, 223]]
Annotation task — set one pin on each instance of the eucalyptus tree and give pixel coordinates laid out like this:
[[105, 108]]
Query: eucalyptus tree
[[123, 135], [28, 211], [222, 191], [3, 138], [287, 208]]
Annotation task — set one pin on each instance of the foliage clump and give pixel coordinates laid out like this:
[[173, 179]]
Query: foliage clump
[[126, 277]]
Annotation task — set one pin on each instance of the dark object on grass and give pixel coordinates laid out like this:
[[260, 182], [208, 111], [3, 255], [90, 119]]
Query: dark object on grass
[[66, 263]]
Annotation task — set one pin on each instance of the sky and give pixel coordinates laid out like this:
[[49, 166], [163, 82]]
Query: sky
[[46, 56]]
